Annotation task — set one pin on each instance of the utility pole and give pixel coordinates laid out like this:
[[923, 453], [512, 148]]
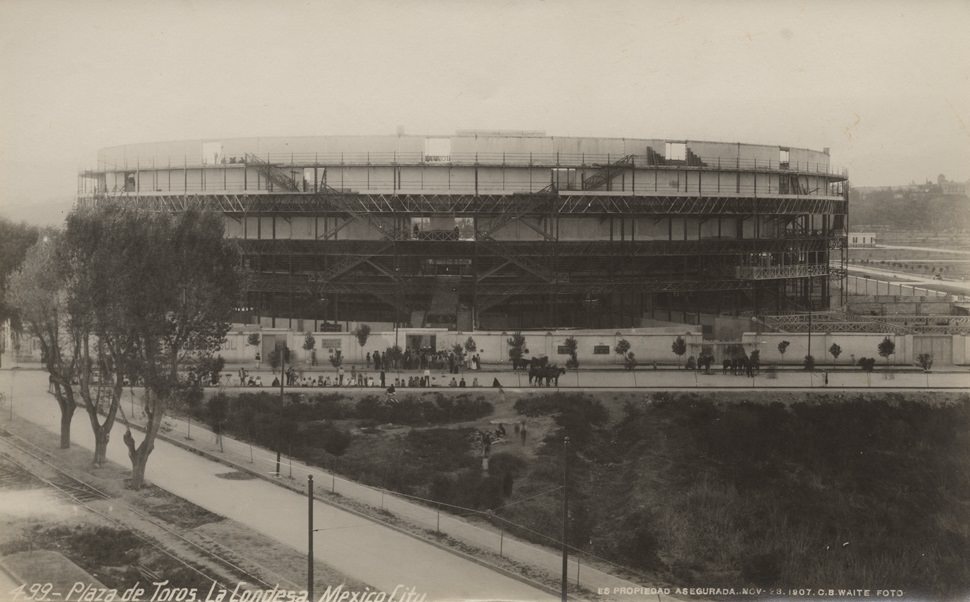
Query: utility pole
[[309, 534], [565, 515], [281, 350], [810, 327]]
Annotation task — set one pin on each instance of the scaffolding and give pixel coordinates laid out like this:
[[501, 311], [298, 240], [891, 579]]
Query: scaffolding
[[535, 277]]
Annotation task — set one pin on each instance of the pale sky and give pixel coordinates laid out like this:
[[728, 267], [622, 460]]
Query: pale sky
[[884, 84]]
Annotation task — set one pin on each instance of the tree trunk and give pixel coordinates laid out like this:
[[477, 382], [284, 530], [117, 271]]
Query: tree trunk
[[138, 464], [139, 461], [101, 436], [67, 414], [139, 454]]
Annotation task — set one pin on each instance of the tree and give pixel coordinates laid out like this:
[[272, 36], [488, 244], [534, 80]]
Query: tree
[[459, 352], [835, 351], [362, 332], [153, 329], [516, 347], [253, 340], [15, 239], [309, 343], [886, 348], [679, 347], [782, 348], [470, 346], [925, 361], [571, 345], [38, 294], [279, 352], [212, 367], [809, 362], [622, 349], [336, 359]]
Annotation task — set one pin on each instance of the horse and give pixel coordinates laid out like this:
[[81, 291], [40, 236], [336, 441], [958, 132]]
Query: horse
[[544, 375], [552, 374]]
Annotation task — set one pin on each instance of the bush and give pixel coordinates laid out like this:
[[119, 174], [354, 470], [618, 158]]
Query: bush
[[443, 409], [638, 542], [333, 440], [503, 462], [576, 414], [809, 362], [761, 570]]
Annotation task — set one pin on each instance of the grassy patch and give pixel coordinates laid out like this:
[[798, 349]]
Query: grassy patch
[[835, 492]]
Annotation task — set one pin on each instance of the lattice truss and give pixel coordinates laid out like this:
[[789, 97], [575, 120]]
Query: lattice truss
[[508, 268], [847, 322]]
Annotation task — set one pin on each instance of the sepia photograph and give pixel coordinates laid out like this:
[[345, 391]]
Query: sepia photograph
[[428, 300]]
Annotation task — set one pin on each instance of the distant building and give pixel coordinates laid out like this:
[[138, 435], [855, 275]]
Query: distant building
[[862, 239], [954, 188]]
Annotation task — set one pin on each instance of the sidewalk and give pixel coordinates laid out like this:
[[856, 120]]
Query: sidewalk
[[644, 377], [293, 474]]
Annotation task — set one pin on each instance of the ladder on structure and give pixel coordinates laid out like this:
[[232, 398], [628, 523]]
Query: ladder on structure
[[607, 173]]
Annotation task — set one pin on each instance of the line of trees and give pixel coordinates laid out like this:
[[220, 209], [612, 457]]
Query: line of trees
[[126, 295]]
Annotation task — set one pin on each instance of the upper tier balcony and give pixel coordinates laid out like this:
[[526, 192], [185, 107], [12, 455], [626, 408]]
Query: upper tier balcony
[[586, 161]]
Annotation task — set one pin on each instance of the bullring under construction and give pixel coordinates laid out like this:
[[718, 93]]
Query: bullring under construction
[[503, 230]]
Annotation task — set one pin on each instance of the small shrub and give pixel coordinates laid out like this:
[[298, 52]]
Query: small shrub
[[679, 346], [362, 332], [886, 348]]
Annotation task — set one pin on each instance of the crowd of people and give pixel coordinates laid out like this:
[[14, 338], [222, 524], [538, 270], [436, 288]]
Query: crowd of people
[[349, 378]]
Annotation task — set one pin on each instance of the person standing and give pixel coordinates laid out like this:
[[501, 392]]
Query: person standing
[[367, 359], [340, 375], [383, 376]]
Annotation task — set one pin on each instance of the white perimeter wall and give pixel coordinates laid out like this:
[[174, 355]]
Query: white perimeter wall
[[648, 347]]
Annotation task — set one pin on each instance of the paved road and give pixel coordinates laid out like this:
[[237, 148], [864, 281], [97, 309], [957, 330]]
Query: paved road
[[932, 249], [947, 286], [357, 547]]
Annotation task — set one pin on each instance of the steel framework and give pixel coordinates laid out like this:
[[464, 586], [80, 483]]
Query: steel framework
[[393, 268]]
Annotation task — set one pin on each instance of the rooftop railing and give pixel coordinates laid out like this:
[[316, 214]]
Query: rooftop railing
[[644, 188], [550, 160]]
